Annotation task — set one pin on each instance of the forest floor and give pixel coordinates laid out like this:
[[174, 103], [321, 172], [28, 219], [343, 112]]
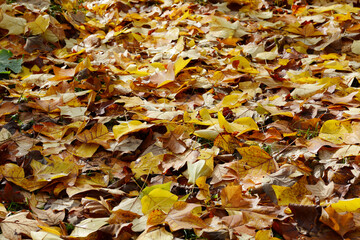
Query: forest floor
[[172, 119]]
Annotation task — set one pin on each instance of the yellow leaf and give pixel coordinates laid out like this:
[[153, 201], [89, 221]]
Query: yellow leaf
[[264, 235], [204, 192], [158, 199], [98, 134], [294, 194], [180, 64], [128, 127], [147, 164], [40, 24], [240, 125], [348, 205], [334, 131], [15, 174], [55, 168], [227, 142], [242, 65], [52, 230], [85, 150], [255, 163]]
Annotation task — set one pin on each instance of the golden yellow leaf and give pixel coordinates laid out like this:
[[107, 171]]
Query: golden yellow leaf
[[15, 174], [40, 24], [227, 142], [55, 168], [240, 125], [85, 150], [348, 205], [334, 131], [204, 192], [156, 217], [128, 127], [147, 164], [255, 163], [158, 199], [180, 64], [294, 194], [265, 235]]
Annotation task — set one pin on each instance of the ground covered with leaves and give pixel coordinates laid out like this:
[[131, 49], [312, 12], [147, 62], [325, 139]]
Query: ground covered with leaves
[[179, 119]]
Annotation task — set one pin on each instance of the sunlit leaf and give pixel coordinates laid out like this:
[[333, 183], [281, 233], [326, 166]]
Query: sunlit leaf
[[158, 199], [129, 127], [294, 194], [40, 24]]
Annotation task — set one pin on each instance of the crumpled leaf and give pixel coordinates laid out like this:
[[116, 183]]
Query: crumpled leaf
[[49, 216]]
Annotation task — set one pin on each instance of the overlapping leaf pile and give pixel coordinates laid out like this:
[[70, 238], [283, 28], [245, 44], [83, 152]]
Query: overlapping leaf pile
[[179, 119]]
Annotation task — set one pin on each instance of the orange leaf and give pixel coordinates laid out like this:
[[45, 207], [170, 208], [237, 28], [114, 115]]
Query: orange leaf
[[122, 216], [231, 196], [156, 217], [339, 222]]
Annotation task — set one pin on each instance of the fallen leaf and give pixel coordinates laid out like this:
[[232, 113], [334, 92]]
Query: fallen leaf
[[158, 198], [98, 134], [339, 222], [15, 225], [181, 217], [255, 163], [15, 25], [40, 25], [293, 194], [88, 226]]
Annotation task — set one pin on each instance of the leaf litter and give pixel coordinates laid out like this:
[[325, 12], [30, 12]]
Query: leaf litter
[[179, 119]]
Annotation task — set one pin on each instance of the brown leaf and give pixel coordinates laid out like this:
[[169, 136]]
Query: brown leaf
[[48, 216], [98, 134], [181, 217], [339, 222], [13, 226]]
